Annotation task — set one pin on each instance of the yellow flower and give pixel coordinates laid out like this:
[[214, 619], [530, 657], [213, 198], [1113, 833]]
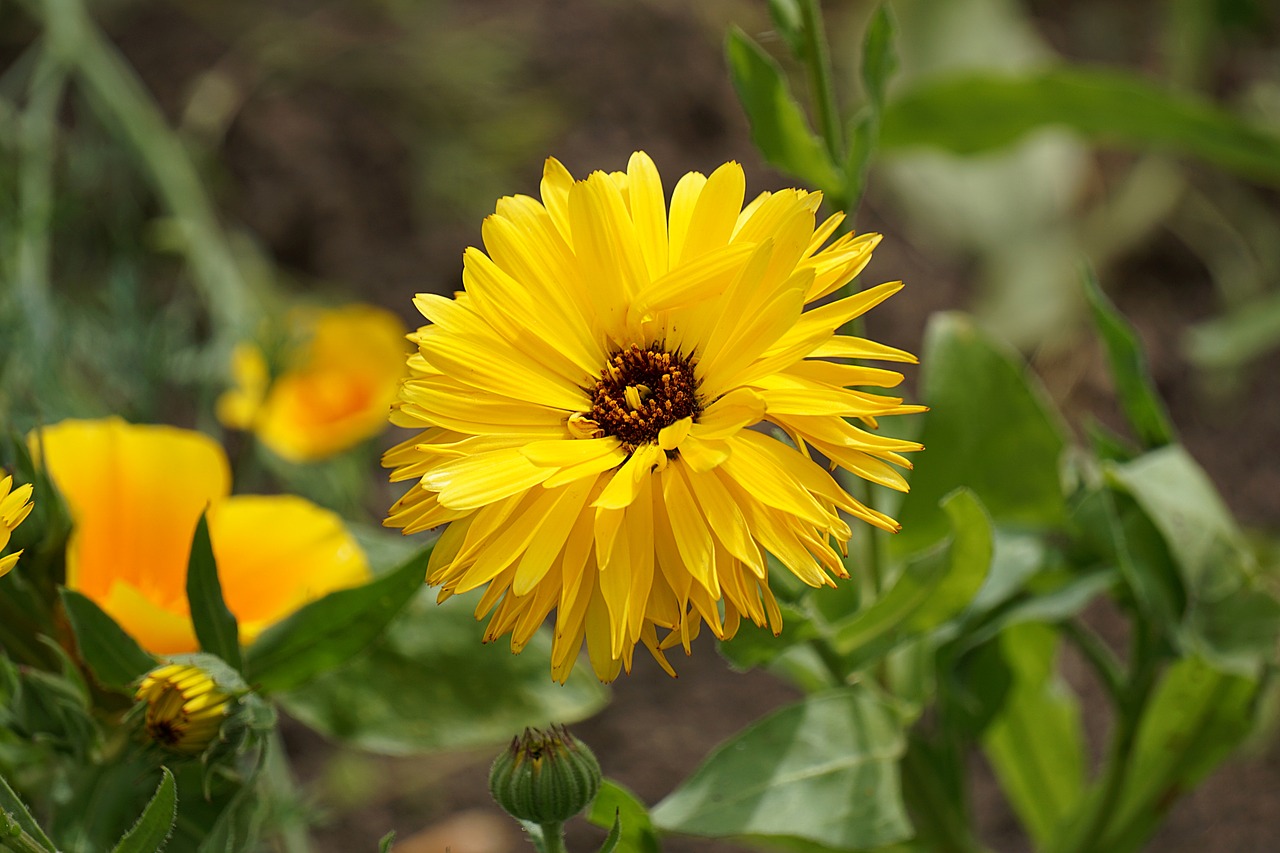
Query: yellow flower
[[589, 403], [335, 388], [136, 494], [185, 707], [15, 506]]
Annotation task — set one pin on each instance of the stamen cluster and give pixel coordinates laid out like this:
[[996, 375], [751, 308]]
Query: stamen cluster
[[642, 391]]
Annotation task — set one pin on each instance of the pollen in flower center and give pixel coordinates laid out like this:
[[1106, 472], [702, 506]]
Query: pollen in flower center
[[642, 391]]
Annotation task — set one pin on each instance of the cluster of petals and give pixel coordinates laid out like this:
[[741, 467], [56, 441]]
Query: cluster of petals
[[15, 506], [136, 494], [339, 369], [533, 447]]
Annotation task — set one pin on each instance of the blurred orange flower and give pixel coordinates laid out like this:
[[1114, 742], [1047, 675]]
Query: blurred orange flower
[[136, 494], [334, 390]]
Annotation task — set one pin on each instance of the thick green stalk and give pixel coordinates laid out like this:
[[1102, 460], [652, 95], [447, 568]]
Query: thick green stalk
[[553, 837], [817, 60], [1145, 667]]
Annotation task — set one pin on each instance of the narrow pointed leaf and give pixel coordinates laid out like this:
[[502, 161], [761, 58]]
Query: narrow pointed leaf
[[215, 625], [12, 804], [629, 817], [331, 631], [779, 127], [115, 658], [1142, 405], [151, 832]]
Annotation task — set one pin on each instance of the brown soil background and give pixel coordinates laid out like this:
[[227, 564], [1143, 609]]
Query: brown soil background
[[324, 177]]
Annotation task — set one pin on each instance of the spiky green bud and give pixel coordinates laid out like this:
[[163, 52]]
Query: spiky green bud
[[545, 777]]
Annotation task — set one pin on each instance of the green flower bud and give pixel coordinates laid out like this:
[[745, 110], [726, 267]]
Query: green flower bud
[[545, 777]]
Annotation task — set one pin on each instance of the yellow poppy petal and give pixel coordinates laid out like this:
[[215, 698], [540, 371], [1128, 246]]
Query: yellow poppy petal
[[308, 554], [135, 494]]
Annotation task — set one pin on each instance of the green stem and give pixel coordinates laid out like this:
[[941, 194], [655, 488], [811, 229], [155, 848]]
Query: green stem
[[831, 660], [553, 837], [934, 811], [17, 839], [1100, 657], [817, 60], [279, 783], [1146, 665]]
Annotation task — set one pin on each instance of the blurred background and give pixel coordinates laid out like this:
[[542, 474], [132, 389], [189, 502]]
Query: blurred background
[[350, 149]]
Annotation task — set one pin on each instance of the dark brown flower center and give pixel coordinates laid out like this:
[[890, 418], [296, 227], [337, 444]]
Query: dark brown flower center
[[642, 391]]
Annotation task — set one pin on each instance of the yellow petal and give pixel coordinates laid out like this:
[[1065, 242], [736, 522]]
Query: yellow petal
[[649, 211], [738, 409], [669, 437], [158, 629], [308, 554], [472, 482], [715, 214], [624, 488], [135, 494]]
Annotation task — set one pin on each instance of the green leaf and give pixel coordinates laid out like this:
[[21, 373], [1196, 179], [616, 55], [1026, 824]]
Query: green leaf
[[615, 835], [329, 632], [980, 112], [879, 62], [824, 770], [1117, 529], [614, 805], [779, 127], [879, 59], [1035, 744], [1142, 405], [431, 683], [115, 659], [790, 24], [933, 587], [12, 804], [1231, 617], [151, 832], [757, 647], [972, 544], [387, 842], [1197, 716], [1180, 499], [990, 427], [215, 625]]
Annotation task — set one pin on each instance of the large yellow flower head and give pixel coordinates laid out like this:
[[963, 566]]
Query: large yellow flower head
[[136, 494], [339, 375], [629, 407], [15, 506]]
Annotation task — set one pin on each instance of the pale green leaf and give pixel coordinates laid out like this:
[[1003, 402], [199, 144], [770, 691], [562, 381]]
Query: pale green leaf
[[979, 112], [615, 806], [990, 428], [824, 770], [1197, 716], [1036, 744]]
